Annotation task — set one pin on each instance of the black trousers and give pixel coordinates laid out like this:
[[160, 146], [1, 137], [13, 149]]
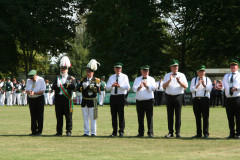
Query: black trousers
[[143, 107], [36, 106], [159, 97], [174, 104], [201, 109], [117, 103], [213, 99], [219, 98], [233, 113], [62, 109]]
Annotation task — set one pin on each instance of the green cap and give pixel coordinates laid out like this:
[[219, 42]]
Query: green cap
[[103, 77], [234, 62], [201, 68], [118, 65], [174, 62], [32, 73], [8, 78], [146, 67]]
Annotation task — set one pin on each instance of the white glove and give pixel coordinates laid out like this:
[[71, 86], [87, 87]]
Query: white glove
[[85, 85]]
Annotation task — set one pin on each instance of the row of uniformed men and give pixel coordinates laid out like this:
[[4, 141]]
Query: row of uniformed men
[[174, 83], [13, 92]]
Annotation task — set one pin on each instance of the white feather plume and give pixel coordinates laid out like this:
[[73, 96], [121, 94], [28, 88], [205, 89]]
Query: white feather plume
[[65, 62], [93, 64]]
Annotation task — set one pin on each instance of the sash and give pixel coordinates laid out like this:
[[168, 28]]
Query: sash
[[67, 95]]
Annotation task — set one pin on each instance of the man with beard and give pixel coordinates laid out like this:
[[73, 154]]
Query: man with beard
[[64, 85]]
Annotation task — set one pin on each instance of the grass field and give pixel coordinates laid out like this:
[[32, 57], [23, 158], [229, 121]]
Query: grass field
[[16, 144]]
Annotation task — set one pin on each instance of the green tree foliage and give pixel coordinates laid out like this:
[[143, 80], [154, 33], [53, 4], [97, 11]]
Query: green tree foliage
[[128, 31]]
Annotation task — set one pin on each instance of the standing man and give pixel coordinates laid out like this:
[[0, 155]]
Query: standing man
[[201, 87], [119, 85], [231, 83], [14, 95], [174, 83], [2, 92], [102, 91], [35, 88], [9, 91], [18, 91], [89, 87], [24, 94], [144, 87], [160, 91], [78, 93], [214, 93], [63, 87], [47, 93]]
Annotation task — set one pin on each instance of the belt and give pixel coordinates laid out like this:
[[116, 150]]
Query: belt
[[200, 97], [174, 95], [93, 99]]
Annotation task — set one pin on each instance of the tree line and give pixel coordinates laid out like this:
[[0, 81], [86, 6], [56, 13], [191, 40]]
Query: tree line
[[134, 32]]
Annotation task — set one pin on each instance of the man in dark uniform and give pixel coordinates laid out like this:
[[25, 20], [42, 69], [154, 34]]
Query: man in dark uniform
[[64, 86], [89, 87]]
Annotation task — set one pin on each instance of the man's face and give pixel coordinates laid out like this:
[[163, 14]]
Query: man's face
[[174, 69], [214, 81], [89, 73], [63, 70], [117, 70], [144, 72], [34, 78], [234, 67], [201, 73]]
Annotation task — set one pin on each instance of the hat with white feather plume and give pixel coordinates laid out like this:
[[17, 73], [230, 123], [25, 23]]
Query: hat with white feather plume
[[92, 65], [65, 62]]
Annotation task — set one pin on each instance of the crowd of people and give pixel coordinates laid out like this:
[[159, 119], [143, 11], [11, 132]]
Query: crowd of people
[[173, 85]]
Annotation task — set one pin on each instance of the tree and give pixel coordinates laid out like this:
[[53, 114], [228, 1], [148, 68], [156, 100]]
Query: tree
[[42, 27], [127, 31]]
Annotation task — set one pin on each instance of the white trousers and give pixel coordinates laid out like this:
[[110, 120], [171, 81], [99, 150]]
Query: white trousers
[[9, 98], [24, 98], [79, 98], [19, 102], [14, 97], [89, 113], [51, 96], [47, 98], [101, 98], [2, 99]]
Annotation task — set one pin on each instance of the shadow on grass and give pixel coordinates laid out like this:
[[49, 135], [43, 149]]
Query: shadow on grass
[[125, 137]]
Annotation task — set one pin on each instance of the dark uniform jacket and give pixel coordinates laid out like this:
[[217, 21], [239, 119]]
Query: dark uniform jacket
[[93, 88], [69, 86]]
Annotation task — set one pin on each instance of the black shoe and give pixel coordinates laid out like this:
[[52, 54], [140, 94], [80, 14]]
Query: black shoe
[[197, 136], [38, 134], [113, 135], [32, 134], [231, 136], [58, 134], [150, 135], [140, 135], [93, 135], [178, 135], [68, 133], [238, 137], [205, 137], [121, 134], [169, 135], [85, 135]]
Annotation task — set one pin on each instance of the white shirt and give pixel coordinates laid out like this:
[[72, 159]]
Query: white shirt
[[144, 93], [200, 91], [227, 84], [1, 84], [122, 81], [174, 88], [37, 86], [161, 86]]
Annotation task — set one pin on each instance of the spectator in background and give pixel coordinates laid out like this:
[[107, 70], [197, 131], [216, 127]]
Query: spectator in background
[[9, 91], [214, 93], [159, 91], [24, 94], [102, 91], [2, 92], [220, 92], [18, 91]]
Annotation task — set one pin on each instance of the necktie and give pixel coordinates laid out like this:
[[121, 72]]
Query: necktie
[[159, 85], [116, 88], [231, 81]]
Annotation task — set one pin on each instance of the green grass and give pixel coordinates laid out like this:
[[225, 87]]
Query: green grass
[[16, 144]]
